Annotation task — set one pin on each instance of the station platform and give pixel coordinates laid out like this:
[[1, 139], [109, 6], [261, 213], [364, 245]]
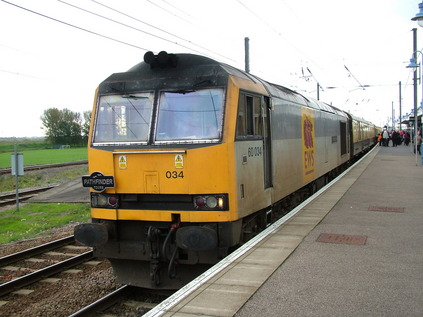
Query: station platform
[[355, 250], [382, 276]]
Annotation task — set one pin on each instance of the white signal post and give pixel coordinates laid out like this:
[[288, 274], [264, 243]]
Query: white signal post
[[17, 170]]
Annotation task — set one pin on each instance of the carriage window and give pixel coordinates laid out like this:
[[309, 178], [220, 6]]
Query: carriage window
[[249, 122], [356, 131], [123, 118], [192, 115]]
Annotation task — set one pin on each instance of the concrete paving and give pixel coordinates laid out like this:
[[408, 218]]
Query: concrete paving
[[71, 192], [383, 277]]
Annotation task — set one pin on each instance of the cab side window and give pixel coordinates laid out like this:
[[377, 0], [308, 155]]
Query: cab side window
[[249, 121]]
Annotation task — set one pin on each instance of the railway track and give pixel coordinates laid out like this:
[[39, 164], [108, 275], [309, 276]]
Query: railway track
[[12, 275], [28, 168], [127, 297], [118, 301], [104, 302], [9, 198]]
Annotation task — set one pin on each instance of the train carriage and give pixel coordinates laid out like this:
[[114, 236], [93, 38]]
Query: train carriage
[[364, 133], [189, 157]]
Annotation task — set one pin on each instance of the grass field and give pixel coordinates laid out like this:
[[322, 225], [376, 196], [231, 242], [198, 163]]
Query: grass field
[[36, 157], [33, 219]]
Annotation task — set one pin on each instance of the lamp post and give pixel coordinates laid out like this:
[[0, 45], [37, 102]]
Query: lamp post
[[413, 64], [419, 18]]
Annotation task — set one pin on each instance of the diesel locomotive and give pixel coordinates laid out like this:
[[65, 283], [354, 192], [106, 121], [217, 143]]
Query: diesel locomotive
[[190, 157]]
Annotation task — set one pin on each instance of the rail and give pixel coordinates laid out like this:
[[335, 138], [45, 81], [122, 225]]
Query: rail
[[104, 302], [27, 168], [9, 198], [25, 280], [45, 272], [18, 256]]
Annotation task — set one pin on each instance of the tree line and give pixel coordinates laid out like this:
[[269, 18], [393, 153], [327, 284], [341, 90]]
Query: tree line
[[66, 127]]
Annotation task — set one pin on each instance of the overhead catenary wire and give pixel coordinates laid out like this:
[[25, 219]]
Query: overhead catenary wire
[[97, 33], [318, 82], [159, 29], [126, 25], [170, 12], [20, 74], [278, 33], [109, 37], [351, 74], [304, 76], [173, 6], [75, 26]]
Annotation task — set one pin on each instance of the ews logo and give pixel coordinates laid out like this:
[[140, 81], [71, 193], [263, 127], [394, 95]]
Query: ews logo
[[308, 154]]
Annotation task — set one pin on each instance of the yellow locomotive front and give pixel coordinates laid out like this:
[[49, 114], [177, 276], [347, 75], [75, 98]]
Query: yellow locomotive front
[[161, 170]]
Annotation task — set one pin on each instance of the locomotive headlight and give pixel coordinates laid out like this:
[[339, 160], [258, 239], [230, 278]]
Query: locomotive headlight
[[211, 202], [104, 201]]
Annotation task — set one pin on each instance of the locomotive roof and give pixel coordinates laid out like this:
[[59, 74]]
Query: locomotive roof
[[194, 70], [185, 64]]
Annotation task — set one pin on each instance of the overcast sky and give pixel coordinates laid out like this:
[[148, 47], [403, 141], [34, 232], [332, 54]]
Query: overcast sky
[[55, 53]]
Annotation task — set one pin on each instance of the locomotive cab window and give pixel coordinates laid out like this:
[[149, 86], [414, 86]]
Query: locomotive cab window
[[123, 118], [190, 116], [249, 122]]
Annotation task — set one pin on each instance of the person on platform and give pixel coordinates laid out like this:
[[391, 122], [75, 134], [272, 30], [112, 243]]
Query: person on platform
[[418, 139], [406, 138], [401, 137], [395, 137], [385, 137]]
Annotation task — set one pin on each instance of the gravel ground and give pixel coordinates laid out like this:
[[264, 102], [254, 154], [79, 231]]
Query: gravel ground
[[64, 297]]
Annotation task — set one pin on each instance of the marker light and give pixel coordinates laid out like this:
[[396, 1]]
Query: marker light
[[199, 202], [112, 201], [221, 202]]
